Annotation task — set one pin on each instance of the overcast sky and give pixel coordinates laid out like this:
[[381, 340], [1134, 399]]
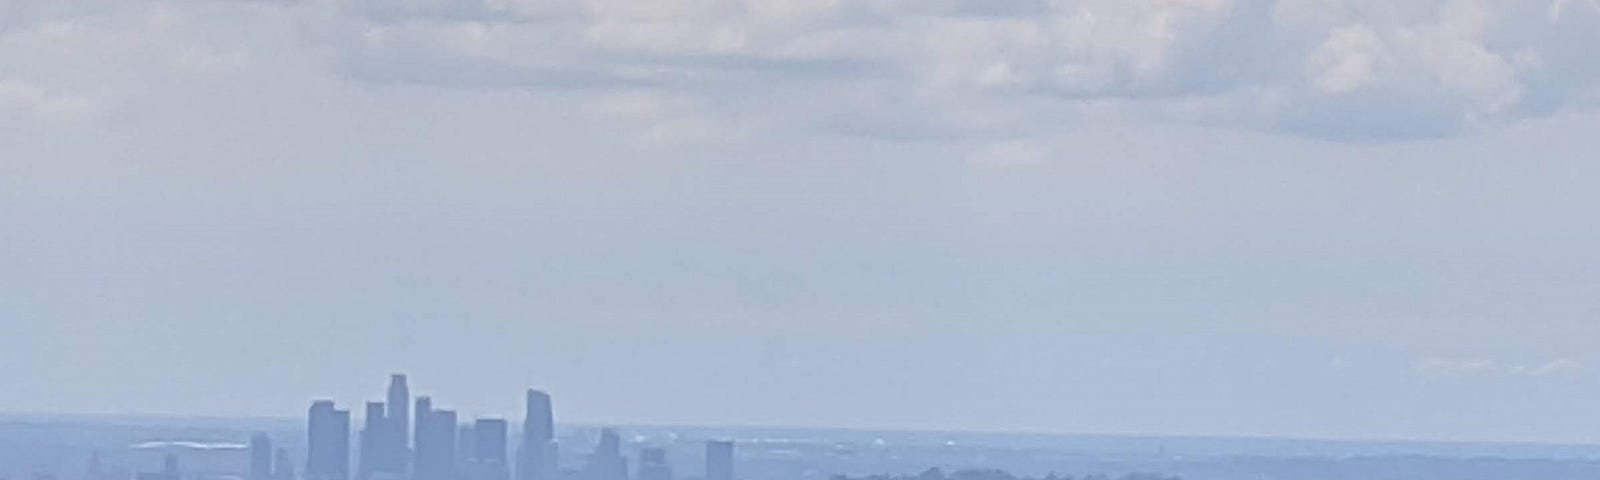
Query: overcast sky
[[1325, 218]]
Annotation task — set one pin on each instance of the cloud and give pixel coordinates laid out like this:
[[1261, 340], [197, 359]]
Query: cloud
[[1348, 60], [61, 106], [1467, 367], [1553, 368], [1352, 70], [1450, 367], [186, 444], [81, 62], [1316, 67]]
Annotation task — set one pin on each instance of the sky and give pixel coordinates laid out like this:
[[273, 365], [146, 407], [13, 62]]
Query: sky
[[1309, 218]]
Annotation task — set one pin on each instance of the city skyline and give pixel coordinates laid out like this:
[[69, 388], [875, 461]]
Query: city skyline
[[446, 446], [478, 447]]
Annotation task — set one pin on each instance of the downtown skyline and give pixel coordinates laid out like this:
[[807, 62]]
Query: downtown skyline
[[396, 442]]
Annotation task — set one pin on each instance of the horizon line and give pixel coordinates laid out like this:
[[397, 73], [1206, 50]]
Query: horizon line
[[67, 417]]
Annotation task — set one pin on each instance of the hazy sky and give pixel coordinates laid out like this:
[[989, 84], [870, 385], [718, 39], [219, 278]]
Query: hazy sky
[[1332, 218]]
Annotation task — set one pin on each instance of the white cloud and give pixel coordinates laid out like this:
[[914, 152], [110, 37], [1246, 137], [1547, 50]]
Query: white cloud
[[58, 106], [1465, 367], [1450, 367], [1455, 52], [83, 61], [1348, 60], [1553, 368]]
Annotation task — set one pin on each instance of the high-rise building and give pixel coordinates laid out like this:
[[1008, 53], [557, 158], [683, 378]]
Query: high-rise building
[[399, 419], [435, 445], [466, 448], [260, 457], [653, 465], [551, 470], [488, 460], [419, 414], [328, 442], [490, 439], [373, 443], [535, 456], [719, 460], [607, 462], [539, 419]]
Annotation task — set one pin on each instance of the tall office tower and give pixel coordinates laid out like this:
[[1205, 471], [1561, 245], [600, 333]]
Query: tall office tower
[[399, 416], [328, 442], [466, 448], [489, 450], [653, 465], [260, 457], [607, 463], [436, 445], [719, 460], [418, 415], [489, 435], [282, 466], [551, 470], [373, 449], [539, 420], [535, 460]]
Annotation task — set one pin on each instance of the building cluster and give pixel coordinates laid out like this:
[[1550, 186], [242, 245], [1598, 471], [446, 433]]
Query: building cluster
[[403, 438]]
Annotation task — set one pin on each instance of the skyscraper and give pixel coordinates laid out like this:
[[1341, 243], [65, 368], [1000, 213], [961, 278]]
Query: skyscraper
[[419, 415], [328, 442], [260, 457], [488, 461], [719, 460], [538, 419], [489, 435], [373, 443], [653, 465], [466, 449], [435, 445], [399, 419], [607, 462], [535, 456]]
